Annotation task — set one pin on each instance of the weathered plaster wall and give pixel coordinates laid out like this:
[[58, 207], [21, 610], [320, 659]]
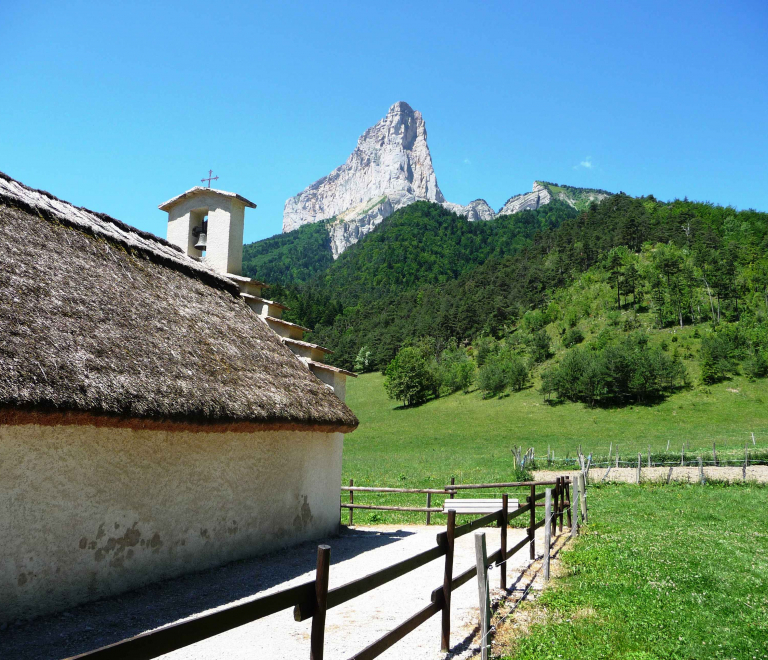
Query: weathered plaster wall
[[86, 512]]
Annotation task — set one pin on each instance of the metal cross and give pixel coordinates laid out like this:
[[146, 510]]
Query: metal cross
[[210, 178]]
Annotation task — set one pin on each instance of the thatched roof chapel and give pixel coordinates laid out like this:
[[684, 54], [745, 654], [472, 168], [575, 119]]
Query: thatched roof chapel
[[105, 324]]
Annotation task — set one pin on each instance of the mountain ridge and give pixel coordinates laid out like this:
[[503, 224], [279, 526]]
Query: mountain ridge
[[390, 168]]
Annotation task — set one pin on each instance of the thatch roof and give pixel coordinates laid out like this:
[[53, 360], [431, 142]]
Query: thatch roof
[[106, 324]]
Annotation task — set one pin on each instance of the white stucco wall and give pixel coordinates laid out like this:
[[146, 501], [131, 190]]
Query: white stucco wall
[[86, 512], [226, 217]]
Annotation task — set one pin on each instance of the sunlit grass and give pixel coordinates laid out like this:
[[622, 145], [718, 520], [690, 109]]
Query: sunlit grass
[[676, 571]]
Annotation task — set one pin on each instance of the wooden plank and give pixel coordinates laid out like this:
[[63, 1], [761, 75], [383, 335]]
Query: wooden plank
[[362, 585], [419, 509], [317, 638], [393, 636], [547, 533], [445, 631], [477, 524], [503, 523], [512, 484], [155, 643], [373, 489], [483, 591]]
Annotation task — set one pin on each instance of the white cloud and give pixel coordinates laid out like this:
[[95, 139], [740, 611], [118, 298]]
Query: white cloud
[[585, 164], [467, 161]]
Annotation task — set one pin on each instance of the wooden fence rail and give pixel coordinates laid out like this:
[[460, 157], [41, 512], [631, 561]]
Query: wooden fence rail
[[313, 599]]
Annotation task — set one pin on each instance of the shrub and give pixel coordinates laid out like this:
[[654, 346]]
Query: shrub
[[539, 346], [756, 366], [619, 372], [572, 337], [500, 372], [456, 370], [719, 353], [364, 360], [408, 378]]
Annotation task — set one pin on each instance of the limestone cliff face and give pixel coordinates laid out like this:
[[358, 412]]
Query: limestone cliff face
[[477, 210], [391, 167], [539, 196]]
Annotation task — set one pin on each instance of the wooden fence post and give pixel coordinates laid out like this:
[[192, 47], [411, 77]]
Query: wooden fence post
[[351, 501], [504, 524], [429, 505], [532, 527], [574, 503], [453, 483], [701, 471], [547, 531], [669, 474], [568, 499], [583, 494], [637, 480], [445, 637], [321, 599], [481, 557], [561, 505], [682, 455]]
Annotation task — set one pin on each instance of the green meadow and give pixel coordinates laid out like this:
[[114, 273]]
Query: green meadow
[[672, 572], [471, 438]]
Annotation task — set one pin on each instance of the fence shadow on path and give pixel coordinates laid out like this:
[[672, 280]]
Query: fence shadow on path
[[112, 619]]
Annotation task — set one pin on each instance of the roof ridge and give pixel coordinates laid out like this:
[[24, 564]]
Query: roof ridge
[[105, 226]]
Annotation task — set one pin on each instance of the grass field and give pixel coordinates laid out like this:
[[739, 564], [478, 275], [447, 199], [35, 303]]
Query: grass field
[[470, 438], [676, 572]]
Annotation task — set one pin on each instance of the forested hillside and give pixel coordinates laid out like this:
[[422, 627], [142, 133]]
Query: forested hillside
[[606, 278], [291, 258]]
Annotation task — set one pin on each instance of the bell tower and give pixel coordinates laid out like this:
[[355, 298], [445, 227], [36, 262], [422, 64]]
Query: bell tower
[[211, 221]]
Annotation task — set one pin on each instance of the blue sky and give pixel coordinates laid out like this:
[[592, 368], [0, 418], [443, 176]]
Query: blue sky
[[119, 108]]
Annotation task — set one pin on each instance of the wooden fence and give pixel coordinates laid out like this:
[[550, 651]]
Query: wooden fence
[[312, 599]]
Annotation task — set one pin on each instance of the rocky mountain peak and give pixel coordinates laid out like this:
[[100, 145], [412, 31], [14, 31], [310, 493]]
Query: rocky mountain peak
[[391, 167]]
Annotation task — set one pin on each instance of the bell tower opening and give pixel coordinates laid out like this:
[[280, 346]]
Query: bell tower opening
[[208, 224]]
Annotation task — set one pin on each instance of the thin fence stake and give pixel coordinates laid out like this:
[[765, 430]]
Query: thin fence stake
[[567, 500], [429, 505], [637, 479], [547, 532], [669, 475], [574, 503], [531, 528], [453, 483], [321, 598], [701, 471], [445, 637], [351, 501], [667, 445], [682, 456], [504, 524], [481, 557], [583, 494]]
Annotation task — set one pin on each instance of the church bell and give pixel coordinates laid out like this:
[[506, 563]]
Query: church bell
[[202, 236]]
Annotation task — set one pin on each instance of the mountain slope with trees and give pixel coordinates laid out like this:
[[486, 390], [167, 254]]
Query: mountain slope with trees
[[577, 299]]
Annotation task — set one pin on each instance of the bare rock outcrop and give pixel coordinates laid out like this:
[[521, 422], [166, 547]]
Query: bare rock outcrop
[[391, 167], [474, 211]]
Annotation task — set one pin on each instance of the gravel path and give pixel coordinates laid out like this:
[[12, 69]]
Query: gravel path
[[757, 473], [349, 627]]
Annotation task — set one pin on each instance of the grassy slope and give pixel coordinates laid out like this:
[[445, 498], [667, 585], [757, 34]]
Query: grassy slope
[[663, 572], [469, 437]]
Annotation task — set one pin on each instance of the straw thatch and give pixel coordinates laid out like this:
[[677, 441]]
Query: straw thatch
[[105, 324]]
